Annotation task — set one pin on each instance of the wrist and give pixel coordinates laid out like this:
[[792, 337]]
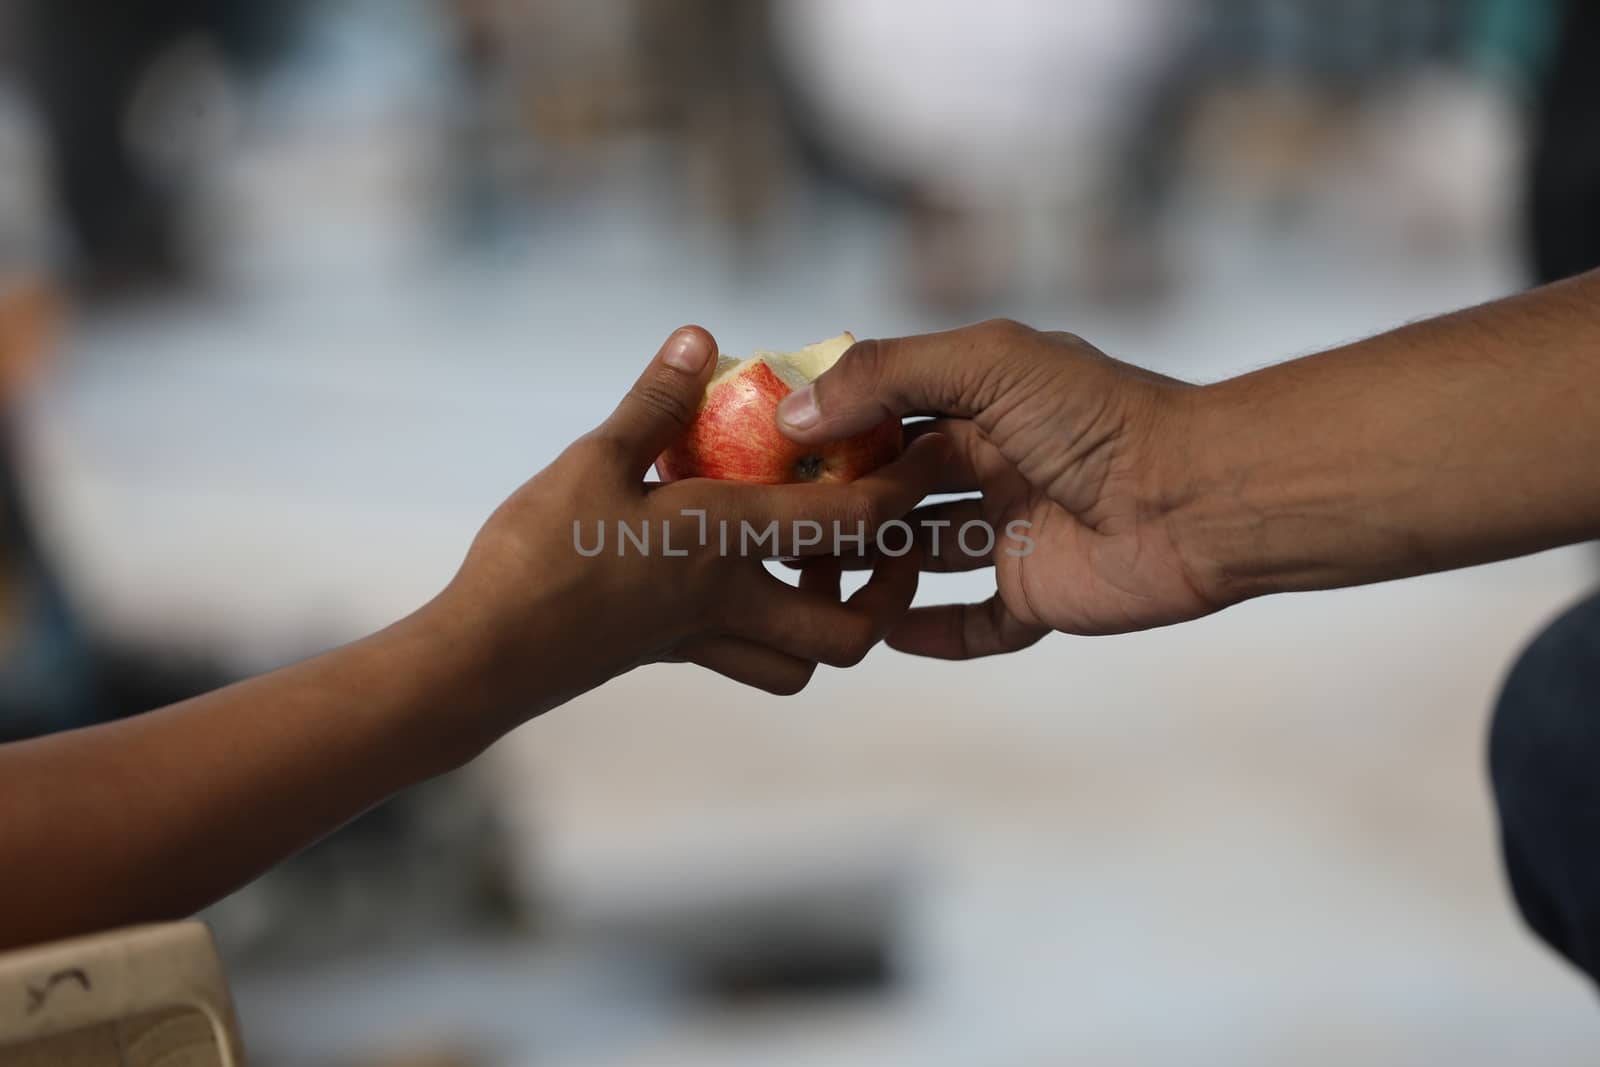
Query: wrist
[[484, 675], [494, 665], [441, 710], [1206, 490], [1286, 488]]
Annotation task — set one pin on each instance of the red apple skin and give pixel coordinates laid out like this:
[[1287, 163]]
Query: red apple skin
[[736, 438]]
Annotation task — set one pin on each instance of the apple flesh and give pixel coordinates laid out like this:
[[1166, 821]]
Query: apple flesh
[[735, 436]]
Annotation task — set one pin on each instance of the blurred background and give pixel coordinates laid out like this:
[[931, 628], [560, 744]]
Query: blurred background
[[293, 294]]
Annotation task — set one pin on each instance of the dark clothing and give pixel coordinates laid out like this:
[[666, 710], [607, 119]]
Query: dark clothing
[[1544, 758]]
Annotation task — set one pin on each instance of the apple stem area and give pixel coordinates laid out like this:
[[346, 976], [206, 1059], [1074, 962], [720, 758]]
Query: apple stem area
[[808, 468]]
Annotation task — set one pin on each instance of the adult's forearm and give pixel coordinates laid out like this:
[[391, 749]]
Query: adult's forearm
[[1460, 440]]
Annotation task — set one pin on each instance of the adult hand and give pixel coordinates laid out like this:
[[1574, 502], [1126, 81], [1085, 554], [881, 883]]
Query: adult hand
[[1050, 432]]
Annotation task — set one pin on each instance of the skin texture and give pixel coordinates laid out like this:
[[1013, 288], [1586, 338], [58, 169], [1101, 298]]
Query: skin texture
[[156, 816], [1455, 441], [736, 438], [1464, 439]]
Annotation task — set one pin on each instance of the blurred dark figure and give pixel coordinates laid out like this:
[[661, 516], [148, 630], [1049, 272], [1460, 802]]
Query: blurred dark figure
[[82, 65], [55, 674], [1564, 208], [1544, 750], [83, 62], [44, 660]]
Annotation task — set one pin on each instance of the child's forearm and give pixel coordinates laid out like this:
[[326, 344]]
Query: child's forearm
[[156, 816], [159, 815]]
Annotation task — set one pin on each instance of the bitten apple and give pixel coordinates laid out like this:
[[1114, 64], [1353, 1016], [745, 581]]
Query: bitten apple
[[735, 436]]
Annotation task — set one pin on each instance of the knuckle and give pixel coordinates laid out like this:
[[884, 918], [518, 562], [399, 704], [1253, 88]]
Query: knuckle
[[660, 398], [1004, 331], [1001, 347], [1068, 338], [790, 683], [864, 356], [597, 448], [863, 367], [851, 656], [852, 645], [864, 509]]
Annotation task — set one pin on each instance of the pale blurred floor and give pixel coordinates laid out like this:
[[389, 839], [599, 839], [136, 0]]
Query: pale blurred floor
[[1260, 839]]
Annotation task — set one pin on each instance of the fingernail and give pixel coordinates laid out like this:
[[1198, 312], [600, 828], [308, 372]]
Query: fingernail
[[687, 351], [799, 409]]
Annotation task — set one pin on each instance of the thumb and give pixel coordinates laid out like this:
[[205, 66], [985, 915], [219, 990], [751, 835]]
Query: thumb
[[947, 373], [665, 399]]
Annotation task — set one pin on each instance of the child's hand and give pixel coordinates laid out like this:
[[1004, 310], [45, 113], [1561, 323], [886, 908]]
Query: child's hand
[[556, 598], [153, 805]]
